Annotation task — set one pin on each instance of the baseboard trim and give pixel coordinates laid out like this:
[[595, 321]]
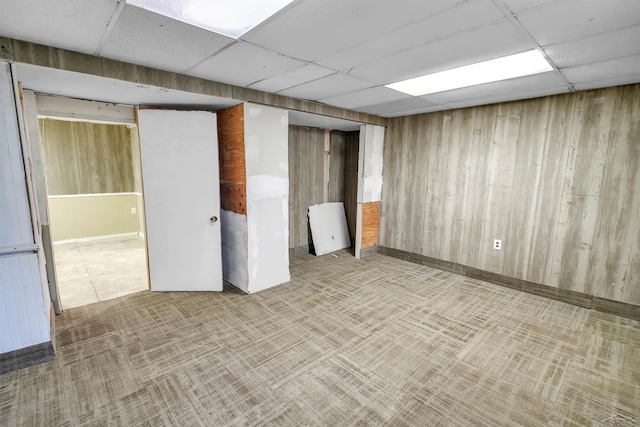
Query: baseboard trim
[[93, 238], [604, 305], [25, 357], [367, 252]]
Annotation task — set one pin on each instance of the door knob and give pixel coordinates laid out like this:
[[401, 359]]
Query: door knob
[[214, 219]]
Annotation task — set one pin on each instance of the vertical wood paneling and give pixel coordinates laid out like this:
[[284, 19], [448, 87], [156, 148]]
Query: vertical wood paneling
[[580, 201], [611, 267], [306, 180], [337, 167], [555, 178], [457, 127], [86, 158], [351, 181]]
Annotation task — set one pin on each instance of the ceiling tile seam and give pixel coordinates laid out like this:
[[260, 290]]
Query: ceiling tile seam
[[518, 93], [110, 26], [514, 20], [222, 49], [390, 32], [306, 61], [617, 58], [591, 35], [437, 39]]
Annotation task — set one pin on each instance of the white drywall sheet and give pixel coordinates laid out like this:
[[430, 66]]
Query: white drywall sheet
[[267, 162], [24, 319], [329, 227]]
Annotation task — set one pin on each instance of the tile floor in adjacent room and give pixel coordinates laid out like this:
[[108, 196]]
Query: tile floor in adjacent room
[[99, 270], [375, 342]]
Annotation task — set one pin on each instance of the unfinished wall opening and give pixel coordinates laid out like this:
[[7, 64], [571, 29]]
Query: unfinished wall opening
[[94, 193], [323, 168]]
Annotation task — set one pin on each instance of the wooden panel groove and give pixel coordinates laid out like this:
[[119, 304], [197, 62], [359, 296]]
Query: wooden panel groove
[[555, 178]]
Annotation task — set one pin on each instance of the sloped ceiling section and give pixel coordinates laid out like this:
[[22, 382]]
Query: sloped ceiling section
[[342, 53]]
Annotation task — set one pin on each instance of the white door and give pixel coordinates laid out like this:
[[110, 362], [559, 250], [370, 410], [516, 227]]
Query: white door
[[179, 151]]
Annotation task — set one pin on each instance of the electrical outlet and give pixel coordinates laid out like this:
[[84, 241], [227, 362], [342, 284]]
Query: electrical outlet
[[497, 244], [134, 211]]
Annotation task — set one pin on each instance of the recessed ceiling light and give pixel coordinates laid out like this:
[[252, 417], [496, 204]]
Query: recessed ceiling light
[[507, 67], [231, 18]]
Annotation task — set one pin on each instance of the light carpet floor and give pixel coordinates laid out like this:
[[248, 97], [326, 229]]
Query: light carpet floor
[[346, 342], [99, 270]]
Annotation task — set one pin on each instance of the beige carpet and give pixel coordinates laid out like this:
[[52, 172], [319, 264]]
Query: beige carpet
[[346, 342]]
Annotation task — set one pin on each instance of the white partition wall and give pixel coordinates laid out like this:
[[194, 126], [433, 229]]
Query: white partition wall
[[254, 176], [370, 161], [24, 302], [267, 160]]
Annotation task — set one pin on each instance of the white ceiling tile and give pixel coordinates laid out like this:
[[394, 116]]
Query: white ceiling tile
[[243, 64], [333, 85], [563, 20], [291, 78], [315, 29], [516, 6], [505, 87], [616, 68], [614, 81], [459, 18], [411, 103], [488, 42], [493, 99], [153, 40], [73, 24], [370, 96], [601, 47]]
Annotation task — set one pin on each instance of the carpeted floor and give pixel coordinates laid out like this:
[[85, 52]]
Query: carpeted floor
[[346, 342]]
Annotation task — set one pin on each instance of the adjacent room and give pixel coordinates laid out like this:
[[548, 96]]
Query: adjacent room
[[92, 171], [305, 212]]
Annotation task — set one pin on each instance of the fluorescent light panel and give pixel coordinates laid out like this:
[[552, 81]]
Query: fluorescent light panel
[[507, 67], [230, 18]]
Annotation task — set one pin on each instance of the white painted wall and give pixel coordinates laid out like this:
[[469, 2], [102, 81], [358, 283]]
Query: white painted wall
[[24, 319], [267, 162], [370, 162]]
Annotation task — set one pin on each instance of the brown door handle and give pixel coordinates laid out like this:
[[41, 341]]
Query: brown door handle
[[214, 219]]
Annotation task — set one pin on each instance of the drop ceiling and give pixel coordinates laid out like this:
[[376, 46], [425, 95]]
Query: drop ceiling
[[342, 53]]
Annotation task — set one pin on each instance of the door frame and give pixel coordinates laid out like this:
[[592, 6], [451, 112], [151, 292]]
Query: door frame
[[66, 109]]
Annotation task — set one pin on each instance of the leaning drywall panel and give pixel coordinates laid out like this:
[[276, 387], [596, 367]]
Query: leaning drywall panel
[[267, 155], [15, 227], [233, 228], [23, 317], [329, 227]]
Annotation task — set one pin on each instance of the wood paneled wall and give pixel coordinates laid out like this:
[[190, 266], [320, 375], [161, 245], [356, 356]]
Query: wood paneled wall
[[555, 178], [86, 158], [306, 181], [306, 178], [352, 141]]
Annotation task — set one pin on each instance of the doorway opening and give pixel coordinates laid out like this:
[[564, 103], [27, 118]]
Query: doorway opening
[[94, 192]]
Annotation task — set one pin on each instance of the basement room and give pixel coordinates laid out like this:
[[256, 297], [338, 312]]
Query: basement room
[[320, 213]]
